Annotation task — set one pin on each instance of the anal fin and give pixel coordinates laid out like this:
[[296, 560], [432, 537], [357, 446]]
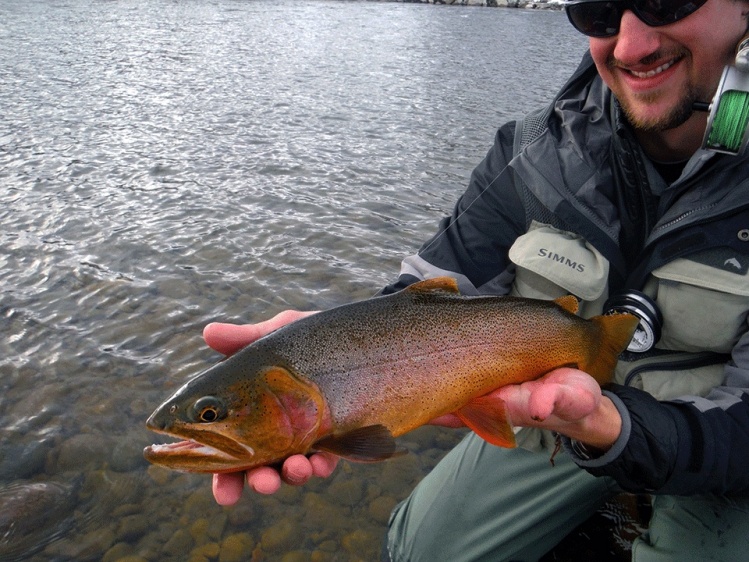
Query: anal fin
[[487, 417], [371, 443]]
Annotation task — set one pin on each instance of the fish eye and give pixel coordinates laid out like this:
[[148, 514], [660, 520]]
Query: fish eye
[[208, 409]]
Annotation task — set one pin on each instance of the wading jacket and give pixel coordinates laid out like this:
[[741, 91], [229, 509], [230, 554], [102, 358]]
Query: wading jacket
[[566, 202]]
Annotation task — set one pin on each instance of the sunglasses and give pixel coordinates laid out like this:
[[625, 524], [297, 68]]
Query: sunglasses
[[601, 18]]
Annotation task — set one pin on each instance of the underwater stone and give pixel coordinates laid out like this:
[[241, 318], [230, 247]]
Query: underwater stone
[[205, 552], [381, 508], [81, 451], [179, 543], [132, 527], [361, 544], [346, 492], [117, 552], [282, 536], [236, 548], [296, 556]]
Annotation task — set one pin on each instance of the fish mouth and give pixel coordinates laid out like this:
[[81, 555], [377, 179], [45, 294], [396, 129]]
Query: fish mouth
[[192, 448], [193, 455]]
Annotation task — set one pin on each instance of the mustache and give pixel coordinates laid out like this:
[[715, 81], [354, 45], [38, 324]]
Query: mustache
[[652, 58]]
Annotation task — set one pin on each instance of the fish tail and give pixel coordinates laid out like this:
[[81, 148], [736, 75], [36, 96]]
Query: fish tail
[[616, 332]]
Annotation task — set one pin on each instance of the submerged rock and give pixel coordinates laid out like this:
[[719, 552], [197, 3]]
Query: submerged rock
[[281, 537], [381, 507], [236, 548]]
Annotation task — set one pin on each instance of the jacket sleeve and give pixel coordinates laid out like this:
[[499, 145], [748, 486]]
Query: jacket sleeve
[[692, 445], [472, 244]]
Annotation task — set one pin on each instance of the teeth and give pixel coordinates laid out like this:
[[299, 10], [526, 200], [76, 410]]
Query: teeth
[[650, 73]]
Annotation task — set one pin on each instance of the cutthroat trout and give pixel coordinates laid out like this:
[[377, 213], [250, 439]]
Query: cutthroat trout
[[350, 379]]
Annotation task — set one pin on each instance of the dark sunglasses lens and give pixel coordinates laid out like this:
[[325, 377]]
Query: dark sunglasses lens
[[596, 19], [663, 12], [601, 18]]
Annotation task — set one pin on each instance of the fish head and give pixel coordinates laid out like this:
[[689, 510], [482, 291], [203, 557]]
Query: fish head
[[231, 423]]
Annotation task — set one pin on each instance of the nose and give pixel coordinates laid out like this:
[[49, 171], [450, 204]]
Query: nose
[[157, 421], [635, 39]]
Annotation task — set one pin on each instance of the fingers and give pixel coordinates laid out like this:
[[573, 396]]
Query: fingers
[[227, 488], [230, 338], [264, 480], [543, 401], [323, 464], [567, 393], [296, 470], [564, 394]]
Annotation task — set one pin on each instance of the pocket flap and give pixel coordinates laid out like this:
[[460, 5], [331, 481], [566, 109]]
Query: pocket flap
[[564, 258], [720, 270]]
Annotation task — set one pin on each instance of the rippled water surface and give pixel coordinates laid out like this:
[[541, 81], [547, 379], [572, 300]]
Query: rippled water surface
[[164, 164]]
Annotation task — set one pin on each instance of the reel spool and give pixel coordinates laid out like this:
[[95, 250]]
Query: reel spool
[[649, 329], [728, 123]]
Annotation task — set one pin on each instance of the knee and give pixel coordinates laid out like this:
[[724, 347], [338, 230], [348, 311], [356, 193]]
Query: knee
[[694, 528]]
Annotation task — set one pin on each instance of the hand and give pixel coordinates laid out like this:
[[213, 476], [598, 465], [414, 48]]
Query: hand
[[230, 338], [297, 469], [565, 400]]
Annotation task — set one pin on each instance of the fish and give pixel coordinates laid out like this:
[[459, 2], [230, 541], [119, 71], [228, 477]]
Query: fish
[[35, 514], [351, 379]]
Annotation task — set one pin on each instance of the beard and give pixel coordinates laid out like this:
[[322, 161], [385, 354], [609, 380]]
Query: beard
[[676, 116]]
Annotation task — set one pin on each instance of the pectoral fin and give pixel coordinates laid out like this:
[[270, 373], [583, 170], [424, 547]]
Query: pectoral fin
[[372, 443], [487, 417]]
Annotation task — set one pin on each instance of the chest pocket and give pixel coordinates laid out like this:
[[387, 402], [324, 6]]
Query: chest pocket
[[551, 263], [704, 300]]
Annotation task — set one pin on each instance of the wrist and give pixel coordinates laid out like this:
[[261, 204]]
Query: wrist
[[583, 451], [596, 433]]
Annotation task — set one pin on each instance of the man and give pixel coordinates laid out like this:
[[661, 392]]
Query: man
[[604, 192]]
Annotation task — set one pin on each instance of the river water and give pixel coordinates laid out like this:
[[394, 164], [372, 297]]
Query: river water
[[165, 164]]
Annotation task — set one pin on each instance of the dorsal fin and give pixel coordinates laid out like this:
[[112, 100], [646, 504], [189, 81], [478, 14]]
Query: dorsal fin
[[568, 302], [438, 284]]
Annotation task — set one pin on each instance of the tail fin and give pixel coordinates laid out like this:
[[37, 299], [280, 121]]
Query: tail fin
[[616, 332]]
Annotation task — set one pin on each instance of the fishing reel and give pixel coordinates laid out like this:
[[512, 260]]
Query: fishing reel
[[728, 123], [648, 331]]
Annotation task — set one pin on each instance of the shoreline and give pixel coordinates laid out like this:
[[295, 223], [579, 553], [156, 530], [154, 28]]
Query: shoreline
[[523, 4]]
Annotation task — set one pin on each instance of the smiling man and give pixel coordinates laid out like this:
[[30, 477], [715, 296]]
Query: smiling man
[[657, 73], [610, 175]]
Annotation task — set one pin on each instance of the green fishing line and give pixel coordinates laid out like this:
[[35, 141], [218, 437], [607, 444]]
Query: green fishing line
[[730, 121]]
